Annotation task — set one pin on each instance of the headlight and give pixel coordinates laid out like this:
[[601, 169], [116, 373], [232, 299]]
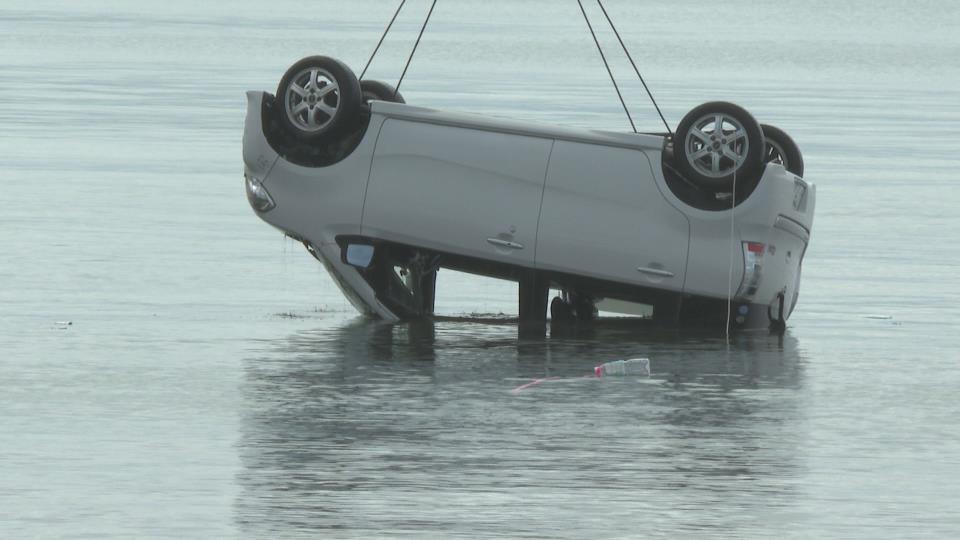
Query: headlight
[[257, 195]]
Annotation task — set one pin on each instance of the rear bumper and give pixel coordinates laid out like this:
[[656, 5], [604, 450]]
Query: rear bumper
[[778, 215]]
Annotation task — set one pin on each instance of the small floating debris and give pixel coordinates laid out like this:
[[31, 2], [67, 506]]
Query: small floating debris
[[289, 315], [624, 368], [637, 367], [532, 383]]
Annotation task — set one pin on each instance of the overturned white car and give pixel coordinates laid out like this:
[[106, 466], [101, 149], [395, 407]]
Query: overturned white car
[[708, 225]]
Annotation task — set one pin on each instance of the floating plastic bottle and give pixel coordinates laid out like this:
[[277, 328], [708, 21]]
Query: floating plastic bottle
[[624, 368]]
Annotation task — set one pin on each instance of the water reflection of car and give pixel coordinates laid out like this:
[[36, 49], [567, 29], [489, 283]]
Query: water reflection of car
[[350, 426], [384, 194]]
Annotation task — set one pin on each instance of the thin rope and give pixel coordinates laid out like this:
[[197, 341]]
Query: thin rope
[[733, 207], [415, 45], [384, 35], [632, 63], [604, 58]]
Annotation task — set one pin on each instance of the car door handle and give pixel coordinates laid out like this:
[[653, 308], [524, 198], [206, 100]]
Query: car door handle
[[655, 271], [504, 243]]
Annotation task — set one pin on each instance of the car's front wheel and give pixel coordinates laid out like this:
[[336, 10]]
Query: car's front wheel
[[320, 97], [718, 143]]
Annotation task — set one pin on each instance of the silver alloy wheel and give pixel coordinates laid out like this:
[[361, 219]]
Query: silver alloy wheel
[[716, 145], [312, 99]]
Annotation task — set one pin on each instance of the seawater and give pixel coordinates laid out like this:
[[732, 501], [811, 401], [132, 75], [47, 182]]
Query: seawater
[[214, 383]]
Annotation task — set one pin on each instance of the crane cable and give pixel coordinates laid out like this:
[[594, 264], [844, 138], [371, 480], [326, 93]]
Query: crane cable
[[609, 72], [384, 35], [635, 69], [415, 45], [733, 247], [592, 33]]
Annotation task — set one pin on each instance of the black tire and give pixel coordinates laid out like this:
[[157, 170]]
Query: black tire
[[310, 114], [780, 148], [379, 90], [694, 149]]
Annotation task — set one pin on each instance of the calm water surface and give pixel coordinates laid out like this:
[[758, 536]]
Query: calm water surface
[[214, 383]]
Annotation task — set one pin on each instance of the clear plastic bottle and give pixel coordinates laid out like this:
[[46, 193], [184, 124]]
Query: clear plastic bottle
[[624, 368]]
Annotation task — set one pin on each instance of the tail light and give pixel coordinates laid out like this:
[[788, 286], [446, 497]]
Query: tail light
[[752, 268]]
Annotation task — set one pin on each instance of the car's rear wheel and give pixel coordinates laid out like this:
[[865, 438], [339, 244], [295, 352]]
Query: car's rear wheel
[[781, 149], [320, 97], [717, 143], [379, 90]]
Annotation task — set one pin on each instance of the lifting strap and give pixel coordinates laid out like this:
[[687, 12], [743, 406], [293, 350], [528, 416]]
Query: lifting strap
[[415, 45], [606, 65], [592, 33], [382, 36], [635, 69]]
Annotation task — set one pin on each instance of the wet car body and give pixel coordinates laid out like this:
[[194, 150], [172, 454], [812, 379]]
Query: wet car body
[[600, 215]]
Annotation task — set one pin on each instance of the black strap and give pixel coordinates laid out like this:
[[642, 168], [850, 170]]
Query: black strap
[[384, 35], [632, 63], [604, 58], [409, 58]]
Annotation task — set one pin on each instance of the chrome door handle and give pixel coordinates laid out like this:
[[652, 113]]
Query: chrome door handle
[[504, 243], [655, 271]]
